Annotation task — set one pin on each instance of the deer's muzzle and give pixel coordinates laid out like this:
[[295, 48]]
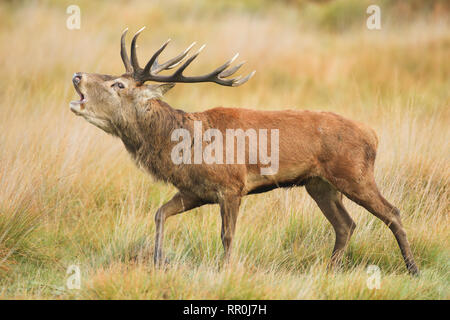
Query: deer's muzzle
[[77, 106]]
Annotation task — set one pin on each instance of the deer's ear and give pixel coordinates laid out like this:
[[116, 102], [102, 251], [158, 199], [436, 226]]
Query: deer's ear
[[161, 89], [151, 91]]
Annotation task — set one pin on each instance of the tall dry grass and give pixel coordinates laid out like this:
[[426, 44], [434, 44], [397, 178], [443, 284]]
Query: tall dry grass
[[70, 195]]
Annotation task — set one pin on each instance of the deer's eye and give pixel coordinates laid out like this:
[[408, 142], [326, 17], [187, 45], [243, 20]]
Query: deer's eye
[[119, 85]]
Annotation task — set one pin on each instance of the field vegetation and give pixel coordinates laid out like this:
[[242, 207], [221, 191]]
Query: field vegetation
[[70, 195]]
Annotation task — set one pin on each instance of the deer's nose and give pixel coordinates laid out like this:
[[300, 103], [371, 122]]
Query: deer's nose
[[76, 79]]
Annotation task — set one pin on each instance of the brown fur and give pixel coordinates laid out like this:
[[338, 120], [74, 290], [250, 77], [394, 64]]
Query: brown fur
[[327, 153]]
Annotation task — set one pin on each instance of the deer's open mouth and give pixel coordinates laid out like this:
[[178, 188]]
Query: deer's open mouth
[[77, 106], [81, 101]]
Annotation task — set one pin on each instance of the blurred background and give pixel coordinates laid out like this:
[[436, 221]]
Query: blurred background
[[69, 193]]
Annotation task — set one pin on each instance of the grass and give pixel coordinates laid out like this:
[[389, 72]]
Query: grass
[[69, 193]]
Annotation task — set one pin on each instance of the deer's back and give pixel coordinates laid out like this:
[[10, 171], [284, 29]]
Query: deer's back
[[310, 144]]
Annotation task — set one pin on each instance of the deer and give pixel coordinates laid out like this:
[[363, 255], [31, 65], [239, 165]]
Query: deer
[[329, 155]]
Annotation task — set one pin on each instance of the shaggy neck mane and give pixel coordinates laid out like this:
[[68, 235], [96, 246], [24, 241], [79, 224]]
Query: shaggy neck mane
[[147, 132]]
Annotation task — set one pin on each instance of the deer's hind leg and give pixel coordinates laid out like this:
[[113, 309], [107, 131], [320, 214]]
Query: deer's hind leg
[[330, 203], [365, 193], [362, 189]]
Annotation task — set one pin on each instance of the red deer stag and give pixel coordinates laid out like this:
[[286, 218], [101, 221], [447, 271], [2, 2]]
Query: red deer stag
[[330, 155]]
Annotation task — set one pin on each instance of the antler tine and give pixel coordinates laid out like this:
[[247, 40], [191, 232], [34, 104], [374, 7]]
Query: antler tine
[[231, 71], [134, 61], [123, 52], [211, 77], [172, 63], [155, 56], [179, 71], [224, 66], [237, 82]]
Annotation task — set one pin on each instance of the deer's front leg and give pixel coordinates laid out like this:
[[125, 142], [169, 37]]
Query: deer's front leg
[[178, 204], [229, 210]]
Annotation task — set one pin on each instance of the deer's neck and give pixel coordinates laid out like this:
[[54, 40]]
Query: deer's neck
[[147, 136]]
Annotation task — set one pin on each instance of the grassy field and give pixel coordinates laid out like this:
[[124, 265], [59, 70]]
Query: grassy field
[[70, 195]]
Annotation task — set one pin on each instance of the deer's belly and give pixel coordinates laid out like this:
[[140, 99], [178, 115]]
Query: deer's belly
[[287, 177]]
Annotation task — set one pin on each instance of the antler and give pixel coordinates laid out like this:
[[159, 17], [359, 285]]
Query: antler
[[152, 68]]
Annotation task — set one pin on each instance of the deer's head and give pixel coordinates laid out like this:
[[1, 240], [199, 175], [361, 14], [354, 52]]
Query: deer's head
[[105, 100]]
